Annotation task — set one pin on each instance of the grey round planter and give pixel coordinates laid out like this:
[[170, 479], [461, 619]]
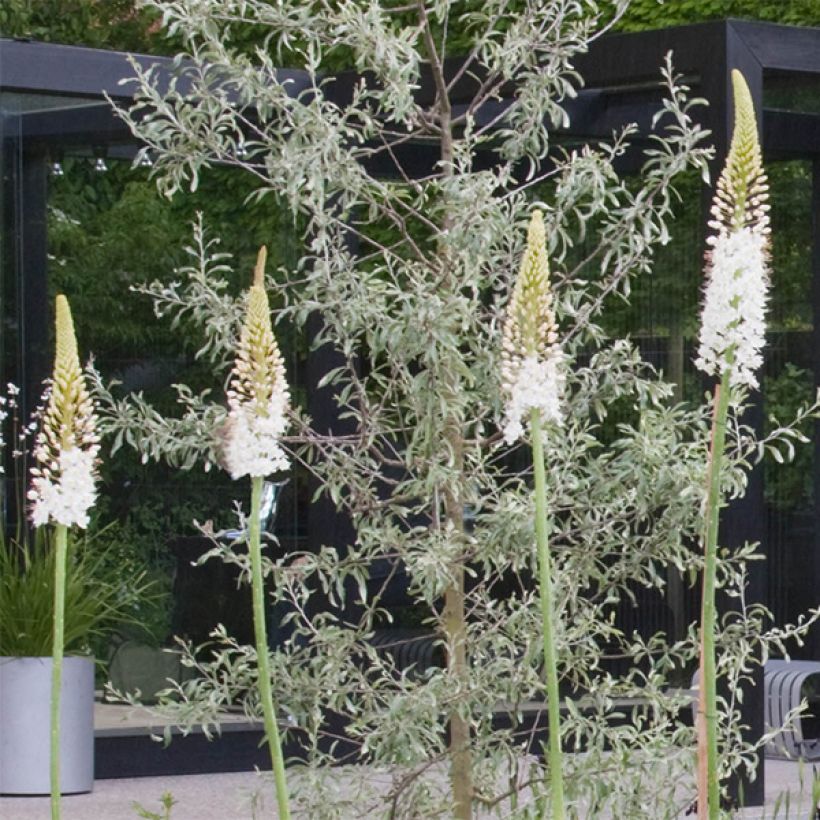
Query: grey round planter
[[143, 671], [25, 697]]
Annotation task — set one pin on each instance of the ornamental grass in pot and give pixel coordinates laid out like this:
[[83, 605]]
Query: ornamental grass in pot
[[26, 616], [96, 604]]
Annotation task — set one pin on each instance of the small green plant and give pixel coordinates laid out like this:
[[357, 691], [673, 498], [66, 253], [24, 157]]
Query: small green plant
[[167, 801]]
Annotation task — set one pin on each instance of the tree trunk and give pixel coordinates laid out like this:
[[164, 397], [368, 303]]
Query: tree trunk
[[461, 775], [455, 623], [455, 626]]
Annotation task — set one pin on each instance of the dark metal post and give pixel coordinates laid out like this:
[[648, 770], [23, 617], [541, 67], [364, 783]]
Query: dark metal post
[[813, 642], [25, 308], [32, 303]]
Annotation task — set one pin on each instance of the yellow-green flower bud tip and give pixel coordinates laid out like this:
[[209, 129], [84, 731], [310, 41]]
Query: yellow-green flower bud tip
[[530, 327], [67, 380], [259, 270], [67, 445], [258, 397], [531, 357], [741, 197]]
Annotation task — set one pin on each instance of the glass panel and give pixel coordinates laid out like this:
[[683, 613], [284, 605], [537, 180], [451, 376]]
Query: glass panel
[[663, 318], [110, 230], [663, 313], [792, 91], [788, 383], [9, 174]]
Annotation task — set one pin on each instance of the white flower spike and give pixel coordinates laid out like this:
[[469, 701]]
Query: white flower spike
[[66, 448], [733, 324], [258, 397], [532, 361]]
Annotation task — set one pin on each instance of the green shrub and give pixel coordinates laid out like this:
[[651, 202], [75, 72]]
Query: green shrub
[[95, 602]]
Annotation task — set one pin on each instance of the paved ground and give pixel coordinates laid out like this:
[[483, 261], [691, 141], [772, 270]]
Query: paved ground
[[788, 793], [200, 797], [247, 797]]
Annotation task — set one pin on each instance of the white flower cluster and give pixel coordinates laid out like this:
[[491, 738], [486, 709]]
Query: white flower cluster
[[252, 438], [733, 328], [258, 397], [538, 384], [67, 497], [733, 325]]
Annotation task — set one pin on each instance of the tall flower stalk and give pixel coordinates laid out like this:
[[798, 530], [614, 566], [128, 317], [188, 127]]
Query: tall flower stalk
[[258, 399], [532, 377], [62, 491], [731, 342]]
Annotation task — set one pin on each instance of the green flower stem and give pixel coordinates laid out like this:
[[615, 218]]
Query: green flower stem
[[709, 616], [263, 663], [545, 587], [60, 546]]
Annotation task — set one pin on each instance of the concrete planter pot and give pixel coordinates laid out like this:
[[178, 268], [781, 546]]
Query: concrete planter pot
[[25, 696]]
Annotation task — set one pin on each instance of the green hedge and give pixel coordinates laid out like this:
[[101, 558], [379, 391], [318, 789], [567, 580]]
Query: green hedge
[[648, 14]]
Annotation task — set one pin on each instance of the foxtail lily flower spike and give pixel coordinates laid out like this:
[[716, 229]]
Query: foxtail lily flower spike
[[258, 397], [531, 359], [66, 448], [733, 323]]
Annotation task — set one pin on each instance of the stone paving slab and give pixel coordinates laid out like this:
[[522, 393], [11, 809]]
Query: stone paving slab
[[249, 796], [199, 797]]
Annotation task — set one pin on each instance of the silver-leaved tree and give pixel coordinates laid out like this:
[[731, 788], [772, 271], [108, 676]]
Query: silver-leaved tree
[[414, 177]]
